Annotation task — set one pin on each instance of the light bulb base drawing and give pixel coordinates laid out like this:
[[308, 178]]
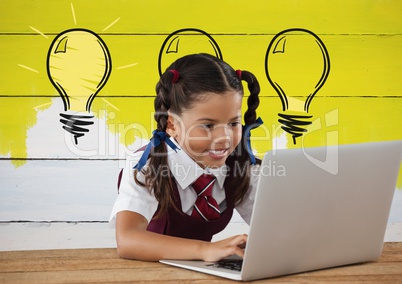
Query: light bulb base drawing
[[293, 124], [76, 124]]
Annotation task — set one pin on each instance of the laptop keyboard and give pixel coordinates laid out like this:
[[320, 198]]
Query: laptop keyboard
[[232, 264]]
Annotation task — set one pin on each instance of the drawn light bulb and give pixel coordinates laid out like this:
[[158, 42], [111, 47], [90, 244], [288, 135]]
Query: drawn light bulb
[[78, 65], [297, 66], [184, 42]]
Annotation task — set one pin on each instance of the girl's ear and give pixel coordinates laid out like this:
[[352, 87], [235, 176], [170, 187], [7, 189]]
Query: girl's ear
[[171, 128]]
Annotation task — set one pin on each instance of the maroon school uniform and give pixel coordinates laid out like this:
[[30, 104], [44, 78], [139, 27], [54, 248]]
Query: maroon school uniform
[[179, 224]]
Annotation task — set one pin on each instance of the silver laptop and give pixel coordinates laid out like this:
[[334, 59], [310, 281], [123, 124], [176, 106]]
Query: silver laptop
[[315, 208]]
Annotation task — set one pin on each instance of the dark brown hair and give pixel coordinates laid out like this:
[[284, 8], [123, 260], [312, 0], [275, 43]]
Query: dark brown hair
[[198, 74]]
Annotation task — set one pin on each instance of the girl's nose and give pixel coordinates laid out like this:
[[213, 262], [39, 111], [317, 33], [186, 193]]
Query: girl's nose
[[222, 134]]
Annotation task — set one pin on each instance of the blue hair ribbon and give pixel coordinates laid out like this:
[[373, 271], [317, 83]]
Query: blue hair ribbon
[[247, 134], [157, 138]]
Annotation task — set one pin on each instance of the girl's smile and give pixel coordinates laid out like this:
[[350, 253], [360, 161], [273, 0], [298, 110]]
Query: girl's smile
[[218, 154]]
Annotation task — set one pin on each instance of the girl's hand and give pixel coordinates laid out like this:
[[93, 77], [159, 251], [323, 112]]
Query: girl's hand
[[215, 251]]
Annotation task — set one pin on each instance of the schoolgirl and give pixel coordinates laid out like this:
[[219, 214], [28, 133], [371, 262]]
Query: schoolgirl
[[182, 188]]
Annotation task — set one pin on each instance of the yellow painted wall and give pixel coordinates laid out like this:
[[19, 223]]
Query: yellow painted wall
[[359, 102]]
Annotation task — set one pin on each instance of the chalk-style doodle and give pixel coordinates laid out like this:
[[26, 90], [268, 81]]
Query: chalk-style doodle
[[78, 66], [183, 42], [297, 66]]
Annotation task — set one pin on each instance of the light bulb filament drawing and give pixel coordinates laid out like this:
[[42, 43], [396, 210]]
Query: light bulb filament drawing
[[297, 66], [78, 66]]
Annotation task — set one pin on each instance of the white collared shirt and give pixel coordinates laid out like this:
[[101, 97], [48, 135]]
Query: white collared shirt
[[133, 197]]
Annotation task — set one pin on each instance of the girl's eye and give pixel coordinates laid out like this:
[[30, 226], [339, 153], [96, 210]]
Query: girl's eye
[[208, 126], [234, 124]]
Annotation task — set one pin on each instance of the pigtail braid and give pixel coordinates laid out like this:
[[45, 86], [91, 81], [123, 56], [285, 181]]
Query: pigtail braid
[[157, 175], [253, 101], [250, 118]]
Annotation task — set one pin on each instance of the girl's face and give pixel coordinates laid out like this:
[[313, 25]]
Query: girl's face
[[210, 130]]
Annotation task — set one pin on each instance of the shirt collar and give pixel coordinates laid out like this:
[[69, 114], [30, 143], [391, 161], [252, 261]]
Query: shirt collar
[[186, 171]]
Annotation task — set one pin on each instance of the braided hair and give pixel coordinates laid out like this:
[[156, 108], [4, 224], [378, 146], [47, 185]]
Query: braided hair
[[199, 74]]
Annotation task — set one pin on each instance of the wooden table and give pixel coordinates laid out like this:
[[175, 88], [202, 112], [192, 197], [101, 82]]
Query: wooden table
[[103, 266]]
